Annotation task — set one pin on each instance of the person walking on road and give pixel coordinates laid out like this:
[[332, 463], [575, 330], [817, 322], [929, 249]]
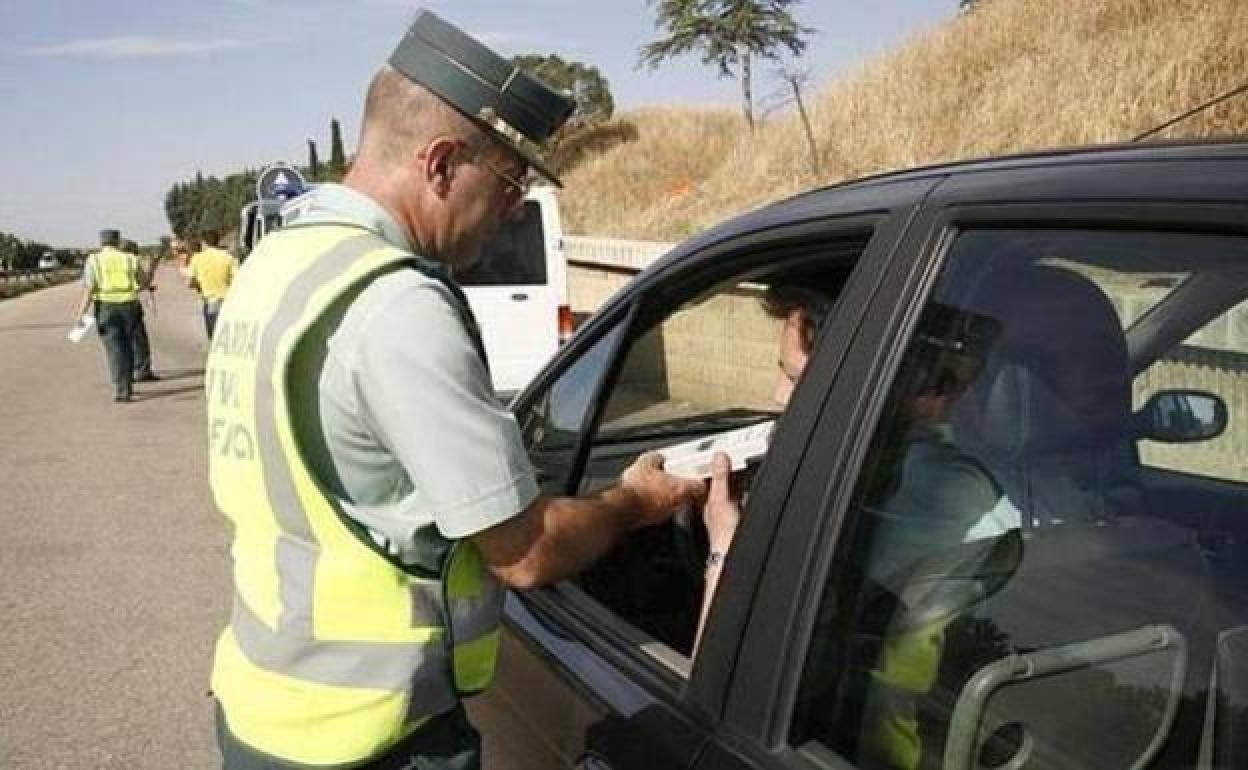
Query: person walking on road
[[211, 272], [380, 494], [142, 343], [111, 281]]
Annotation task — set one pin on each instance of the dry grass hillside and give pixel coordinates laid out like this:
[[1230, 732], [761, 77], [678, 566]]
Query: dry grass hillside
[[1015, 75]]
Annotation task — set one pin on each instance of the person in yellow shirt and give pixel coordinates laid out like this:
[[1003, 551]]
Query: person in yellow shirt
[[212, 271]]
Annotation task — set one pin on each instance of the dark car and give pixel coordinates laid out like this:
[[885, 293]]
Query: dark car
[[1052, 574]]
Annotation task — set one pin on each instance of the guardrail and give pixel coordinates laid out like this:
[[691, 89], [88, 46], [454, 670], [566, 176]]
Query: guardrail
[[613, 253], [14, 282]]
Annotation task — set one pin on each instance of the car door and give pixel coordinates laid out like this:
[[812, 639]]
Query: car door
[[684, 352], [1006, 590]]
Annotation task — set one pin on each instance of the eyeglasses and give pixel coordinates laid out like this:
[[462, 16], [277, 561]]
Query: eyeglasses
[[517, 187]]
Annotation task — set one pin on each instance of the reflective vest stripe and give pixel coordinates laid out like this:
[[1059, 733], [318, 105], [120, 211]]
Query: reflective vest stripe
[[329, 662], [296, 560]]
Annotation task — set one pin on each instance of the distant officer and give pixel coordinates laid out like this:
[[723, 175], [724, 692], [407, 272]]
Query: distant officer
[[142, 344], [111, 280], [211, 273]]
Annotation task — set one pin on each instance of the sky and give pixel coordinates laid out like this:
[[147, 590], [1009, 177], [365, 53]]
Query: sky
[[104, 104]]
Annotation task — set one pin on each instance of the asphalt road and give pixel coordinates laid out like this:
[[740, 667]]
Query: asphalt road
[[113, 562]]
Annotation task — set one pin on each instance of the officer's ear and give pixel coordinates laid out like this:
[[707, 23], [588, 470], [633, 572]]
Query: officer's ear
[[438, 163]]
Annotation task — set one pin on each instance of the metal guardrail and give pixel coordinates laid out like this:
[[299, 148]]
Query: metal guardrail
[[17, 281], [613, 253]]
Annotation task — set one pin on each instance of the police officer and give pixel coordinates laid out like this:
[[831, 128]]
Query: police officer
[[381, 496], [142, 343], [111, 280]]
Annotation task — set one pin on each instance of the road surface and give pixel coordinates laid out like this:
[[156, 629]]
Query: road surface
[[113, 562]]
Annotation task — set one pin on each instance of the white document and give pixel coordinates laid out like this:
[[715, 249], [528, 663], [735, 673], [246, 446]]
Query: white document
[[742, 445], [78, 332]]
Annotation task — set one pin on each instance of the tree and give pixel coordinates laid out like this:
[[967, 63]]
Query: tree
[[587, 87], [582, 82], [729, 34], [337, 158], [314, 163]]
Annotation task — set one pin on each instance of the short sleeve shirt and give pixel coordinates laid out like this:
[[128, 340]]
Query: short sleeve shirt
[[404, 424]]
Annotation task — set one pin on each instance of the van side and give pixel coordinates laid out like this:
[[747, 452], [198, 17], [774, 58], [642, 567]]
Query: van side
[[519, 293]]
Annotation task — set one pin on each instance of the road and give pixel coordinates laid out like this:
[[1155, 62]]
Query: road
[[113, 563]]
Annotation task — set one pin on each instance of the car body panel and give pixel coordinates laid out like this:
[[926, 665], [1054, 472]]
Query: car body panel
[[733, 709]]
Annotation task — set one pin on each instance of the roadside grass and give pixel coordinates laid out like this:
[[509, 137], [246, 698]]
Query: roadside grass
[[1013, 76]]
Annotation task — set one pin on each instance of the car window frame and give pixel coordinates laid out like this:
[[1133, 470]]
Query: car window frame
[[702, 692], [760, 705]]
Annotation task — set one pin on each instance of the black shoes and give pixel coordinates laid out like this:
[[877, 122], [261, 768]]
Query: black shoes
[[146, 377]]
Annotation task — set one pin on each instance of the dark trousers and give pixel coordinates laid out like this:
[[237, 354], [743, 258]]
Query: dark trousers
[[212, 309], [142, 347], [117, 321], [446, 742]]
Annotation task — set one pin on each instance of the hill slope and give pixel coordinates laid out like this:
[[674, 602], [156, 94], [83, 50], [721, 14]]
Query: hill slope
[[1014, 75]]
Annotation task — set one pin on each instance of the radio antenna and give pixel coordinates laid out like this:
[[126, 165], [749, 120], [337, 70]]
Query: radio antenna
[[1191, 112]]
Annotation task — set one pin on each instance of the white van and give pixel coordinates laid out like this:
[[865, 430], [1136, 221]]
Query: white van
[[519, 293]]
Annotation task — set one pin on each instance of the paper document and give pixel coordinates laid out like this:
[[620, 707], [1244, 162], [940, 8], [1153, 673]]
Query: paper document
[[80, 330], [742, 445]]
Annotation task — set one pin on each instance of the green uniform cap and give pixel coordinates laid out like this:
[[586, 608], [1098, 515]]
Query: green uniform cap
[[519, 110]]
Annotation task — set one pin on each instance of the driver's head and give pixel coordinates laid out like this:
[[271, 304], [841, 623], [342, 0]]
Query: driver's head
[[802, 311]]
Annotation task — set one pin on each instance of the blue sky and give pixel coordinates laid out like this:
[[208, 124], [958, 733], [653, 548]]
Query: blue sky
[[106, 103]]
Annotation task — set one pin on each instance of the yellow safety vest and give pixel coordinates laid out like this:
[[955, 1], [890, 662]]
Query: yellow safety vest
[[335, 650], [116, 276]]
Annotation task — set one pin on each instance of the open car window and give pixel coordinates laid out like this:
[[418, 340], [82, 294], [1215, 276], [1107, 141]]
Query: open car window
[[696, 367], [697, 356]]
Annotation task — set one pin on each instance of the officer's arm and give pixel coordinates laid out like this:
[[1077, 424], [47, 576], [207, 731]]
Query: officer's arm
[[555, 538]]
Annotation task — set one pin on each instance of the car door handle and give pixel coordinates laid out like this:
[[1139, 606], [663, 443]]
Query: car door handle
[[518, 297], [592, 762]]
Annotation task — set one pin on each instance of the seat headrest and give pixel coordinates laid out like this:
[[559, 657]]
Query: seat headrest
[[1056, 377]]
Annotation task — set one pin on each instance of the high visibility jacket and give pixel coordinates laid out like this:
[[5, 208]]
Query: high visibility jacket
[[335, 650], [116, 275]]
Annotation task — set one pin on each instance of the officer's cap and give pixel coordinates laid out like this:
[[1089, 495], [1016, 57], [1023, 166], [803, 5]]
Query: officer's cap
[[110, 238], [520, 111]]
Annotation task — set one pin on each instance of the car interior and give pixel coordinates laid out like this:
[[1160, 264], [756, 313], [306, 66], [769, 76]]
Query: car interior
[[1100, 630]]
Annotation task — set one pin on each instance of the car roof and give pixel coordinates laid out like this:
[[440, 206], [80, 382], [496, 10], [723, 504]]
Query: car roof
[[1211, 149]]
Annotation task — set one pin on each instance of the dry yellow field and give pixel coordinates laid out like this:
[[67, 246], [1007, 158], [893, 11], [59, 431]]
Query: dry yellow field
[[1015, 75]]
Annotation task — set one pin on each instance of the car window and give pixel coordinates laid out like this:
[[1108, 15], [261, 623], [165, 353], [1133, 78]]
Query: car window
[[515, 256], [1015, 585], [699, 358], [552, 423]]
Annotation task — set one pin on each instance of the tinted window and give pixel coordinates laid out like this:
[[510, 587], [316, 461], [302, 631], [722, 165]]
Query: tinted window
[[1014, 587], [552, 424], [516, 255]]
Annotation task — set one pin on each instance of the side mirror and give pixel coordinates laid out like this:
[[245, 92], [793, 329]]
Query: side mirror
[[1181, 417]]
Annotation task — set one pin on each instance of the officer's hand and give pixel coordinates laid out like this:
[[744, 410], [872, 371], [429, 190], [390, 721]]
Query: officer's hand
[[658, 494], [723, 505]]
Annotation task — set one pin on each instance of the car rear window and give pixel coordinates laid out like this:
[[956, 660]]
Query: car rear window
[[516, 256]]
